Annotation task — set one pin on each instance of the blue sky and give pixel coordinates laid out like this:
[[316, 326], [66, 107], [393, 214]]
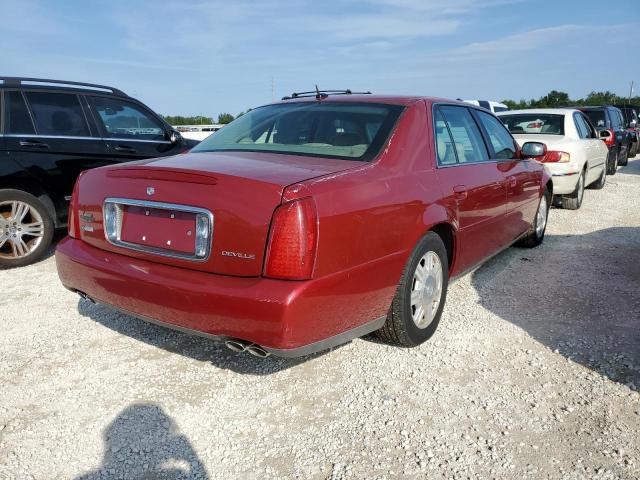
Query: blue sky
[[191, 57]]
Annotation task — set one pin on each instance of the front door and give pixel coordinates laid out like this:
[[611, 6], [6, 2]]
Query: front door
[[470, 182]]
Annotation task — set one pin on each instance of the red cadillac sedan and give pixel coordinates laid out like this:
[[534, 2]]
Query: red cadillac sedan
[[309, 222]]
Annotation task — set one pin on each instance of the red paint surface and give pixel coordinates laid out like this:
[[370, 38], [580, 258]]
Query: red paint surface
[[370, 216]]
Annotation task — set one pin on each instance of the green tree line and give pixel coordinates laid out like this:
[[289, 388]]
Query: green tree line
[[556, 98], [223, 118]]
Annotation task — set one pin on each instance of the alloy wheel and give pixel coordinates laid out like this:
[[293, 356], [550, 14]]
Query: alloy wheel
[[21, 229], [426, 289], [541, 217]]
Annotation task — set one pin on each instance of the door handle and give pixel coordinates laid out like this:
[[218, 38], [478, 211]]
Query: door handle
[[33, 144], [460, 192], [120, 148], [512, 181]]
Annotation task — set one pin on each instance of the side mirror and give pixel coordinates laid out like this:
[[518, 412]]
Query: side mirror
[[533, 150], [174, 137], [605, 135], [633, 124]]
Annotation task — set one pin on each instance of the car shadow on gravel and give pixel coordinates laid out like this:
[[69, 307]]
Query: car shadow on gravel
[[143, 442], [576, 294], [191, 346]]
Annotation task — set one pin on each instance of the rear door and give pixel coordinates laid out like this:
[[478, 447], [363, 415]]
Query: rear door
[[470, 182], [522, 177], [596, 153], [130, 131], [47, 134]]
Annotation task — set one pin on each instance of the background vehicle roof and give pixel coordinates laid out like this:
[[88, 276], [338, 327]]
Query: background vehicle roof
[[368, 98], [548, 111]]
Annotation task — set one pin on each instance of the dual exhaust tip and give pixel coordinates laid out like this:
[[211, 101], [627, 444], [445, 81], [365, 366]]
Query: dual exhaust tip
[[239, 346]]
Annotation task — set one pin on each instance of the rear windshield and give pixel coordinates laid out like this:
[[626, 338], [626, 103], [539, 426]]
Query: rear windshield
[[596, 117], [544, 124], [350, 131]]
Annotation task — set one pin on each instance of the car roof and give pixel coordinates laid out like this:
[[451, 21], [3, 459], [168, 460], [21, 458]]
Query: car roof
[[28, 83], [554, 111]]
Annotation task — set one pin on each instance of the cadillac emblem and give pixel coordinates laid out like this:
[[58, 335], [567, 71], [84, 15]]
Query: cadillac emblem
[[151, 191]]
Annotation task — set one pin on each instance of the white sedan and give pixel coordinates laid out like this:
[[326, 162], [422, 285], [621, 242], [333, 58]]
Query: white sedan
[[576, 156]]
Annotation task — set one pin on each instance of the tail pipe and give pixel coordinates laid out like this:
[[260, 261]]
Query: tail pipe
[[238, 345]]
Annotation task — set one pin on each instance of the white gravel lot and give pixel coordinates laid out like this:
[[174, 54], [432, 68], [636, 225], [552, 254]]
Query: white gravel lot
[[534, 373]]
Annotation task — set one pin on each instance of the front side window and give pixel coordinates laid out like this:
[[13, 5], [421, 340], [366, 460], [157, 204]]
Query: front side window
[[57, 114], [534, 123], [352, 131], [469, 145], [125, 120], [16, 116], [502, 142]]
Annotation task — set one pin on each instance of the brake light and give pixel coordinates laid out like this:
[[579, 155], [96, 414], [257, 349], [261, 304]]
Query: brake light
[[291, 249], [555, 156], [73, 220], [535, 125], [612, 138]]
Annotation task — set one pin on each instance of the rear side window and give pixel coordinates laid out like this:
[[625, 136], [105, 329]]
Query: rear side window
[[466, 135], [597, 118], [126, 120], [581, 125], [57, 114], [444, 144], [502, 142], [616, 118], [17, 119]]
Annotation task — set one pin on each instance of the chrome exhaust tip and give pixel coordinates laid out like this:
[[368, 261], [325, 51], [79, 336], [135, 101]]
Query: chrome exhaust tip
[[257, 351], [84, 296], [236, 345]]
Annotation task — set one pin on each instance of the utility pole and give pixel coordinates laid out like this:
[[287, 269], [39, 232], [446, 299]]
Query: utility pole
[[630, 92]]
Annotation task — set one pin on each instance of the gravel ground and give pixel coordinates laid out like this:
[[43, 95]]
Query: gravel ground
[[534, 373]]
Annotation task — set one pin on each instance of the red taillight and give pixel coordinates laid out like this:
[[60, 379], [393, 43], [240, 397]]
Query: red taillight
[[611, 140], [553, 156], [535, 125], [291, 250], [73, 220]]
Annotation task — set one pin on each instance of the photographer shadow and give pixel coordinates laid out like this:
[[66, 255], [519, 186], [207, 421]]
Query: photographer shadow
[[143, 443]]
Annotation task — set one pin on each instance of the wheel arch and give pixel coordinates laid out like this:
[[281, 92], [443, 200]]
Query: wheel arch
[[33, 188]]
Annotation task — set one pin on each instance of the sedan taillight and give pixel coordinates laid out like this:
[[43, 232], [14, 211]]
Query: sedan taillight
[[293, 239], [73, 219], [611, 140], [555, 156]]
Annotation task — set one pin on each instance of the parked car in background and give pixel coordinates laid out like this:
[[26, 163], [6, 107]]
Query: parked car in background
[[494, 107], [631, 114], [575, 156], [197, 132], [52, 130], [609, 122], [302, 224]]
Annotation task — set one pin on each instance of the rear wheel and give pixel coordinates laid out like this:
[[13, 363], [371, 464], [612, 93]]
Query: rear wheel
[[574, 201], [599, 184], [625, 159], [417, 306], [535, 235], [612, 162], [26, 229], [634, 149]]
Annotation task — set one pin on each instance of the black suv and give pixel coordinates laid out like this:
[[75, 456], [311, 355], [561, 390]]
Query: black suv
[[50, 131], [631, 115], [609, 122]]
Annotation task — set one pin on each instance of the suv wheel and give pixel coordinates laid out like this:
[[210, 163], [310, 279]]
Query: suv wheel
[[625, 159], [26, 229], [417, 306], [612, 162]]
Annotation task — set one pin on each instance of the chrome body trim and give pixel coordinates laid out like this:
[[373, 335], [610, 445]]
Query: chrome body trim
[[71, 137], [162, 206]]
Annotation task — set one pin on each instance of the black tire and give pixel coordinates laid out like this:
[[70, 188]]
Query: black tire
[[612, 162], [625, 159], [574, 200], [7, 257], [533, 238], [634, 149], [599, 184], [400, 329]]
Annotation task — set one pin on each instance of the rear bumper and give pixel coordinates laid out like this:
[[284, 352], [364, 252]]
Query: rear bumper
[[564, 177], [286, 318]]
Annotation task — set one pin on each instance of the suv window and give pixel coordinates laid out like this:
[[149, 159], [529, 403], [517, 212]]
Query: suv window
[[466, 135], [122, 119], [597, 117], [500, 138], [16, 117], [616, 118], [57, 114], [444, 144]]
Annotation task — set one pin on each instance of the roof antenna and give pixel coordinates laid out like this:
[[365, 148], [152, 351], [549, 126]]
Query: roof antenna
[[318, 95]]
